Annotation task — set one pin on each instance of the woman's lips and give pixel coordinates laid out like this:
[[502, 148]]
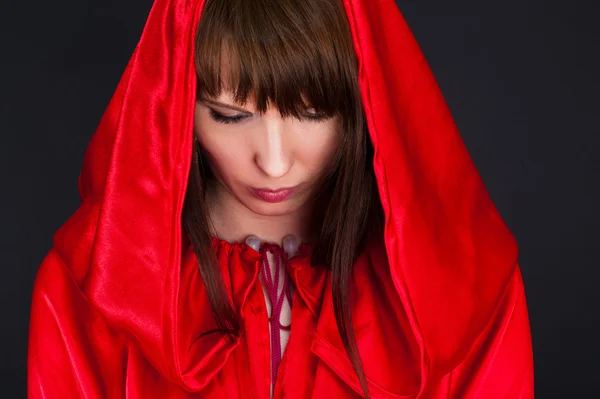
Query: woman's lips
[[268, 195]]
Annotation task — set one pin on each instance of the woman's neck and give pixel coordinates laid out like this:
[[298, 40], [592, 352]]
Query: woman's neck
[[233, 221]]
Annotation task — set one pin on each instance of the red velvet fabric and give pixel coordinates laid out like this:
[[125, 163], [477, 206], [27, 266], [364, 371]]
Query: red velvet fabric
[[118, 302]]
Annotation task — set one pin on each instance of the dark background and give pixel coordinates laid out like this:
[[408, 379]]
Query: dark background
[[520, 78]]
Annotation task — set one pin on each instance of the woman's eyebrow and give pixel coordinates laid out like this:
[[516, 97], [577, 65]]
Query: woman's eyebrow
[[223, 105]]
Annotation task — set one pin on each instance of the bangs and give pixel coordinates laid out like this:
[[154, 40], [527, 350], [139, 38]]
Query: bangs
[[288, 53]]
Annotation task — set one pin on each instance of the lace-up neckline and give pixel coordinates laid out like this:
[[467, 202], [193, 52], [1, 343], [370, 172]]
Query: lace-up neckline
[[278, 278], [271, 282]]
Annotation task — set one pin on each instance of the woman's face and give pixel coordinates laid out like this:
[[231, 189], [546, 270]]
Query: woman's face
[[251, 154]]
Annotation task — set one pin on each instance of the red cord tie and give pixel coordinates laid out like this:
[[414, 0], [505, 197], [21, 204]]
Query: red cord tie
[[271, 284]]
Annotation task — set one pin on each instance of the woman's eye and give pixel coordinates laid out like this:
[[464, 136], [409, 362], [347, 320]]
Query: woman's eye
[[317, 116], [225, 119], [310, 116]]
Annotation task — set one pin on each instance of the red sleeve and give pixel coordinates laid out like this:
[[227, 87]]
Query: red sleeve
[[500, 364], [71, 353]]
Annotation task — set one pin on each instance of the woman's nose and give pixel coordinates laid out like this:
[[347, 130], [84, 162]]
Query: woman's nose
[[274, 157]]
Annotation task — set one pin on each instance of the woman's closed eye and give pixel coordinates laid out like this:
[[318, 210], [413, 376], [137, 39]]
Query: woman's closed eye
[[316, 116], [224, 118], [218, 117]]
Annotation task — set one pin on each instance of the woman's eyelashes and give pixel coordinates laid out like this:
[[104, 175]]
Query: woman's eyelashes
[[316, 117], [226, 119]]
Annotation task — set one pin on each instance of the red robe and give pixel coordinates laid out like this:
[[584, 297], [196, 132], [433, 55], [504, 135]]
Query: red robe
[[439, 309]]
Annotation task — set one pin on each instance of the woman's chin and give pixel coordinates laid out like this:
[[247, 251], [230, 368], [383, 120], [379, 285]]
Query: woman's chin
[[264, 208]]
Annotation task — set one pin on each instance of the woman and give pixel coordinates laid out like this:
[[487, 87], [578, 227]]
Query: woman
[[379, 269]]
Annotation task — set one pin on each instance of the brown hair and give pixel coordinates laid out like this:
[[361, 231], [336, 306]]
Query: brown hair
[[291, 54]]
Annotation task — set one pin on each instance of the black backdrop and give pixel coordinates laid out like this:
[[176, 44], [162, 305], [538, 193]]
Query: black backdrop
[[520, 77]]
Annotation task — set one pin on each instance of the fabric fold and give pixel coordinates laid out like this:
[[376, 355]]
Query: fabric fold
[[449, 252]]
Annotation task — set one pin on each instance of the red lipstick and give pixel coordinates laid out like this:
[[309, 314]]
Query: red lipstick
[[269, 195]]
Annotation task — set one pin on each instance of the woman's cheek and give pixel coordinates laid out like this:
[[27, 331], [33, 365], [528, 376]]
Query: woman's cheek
[[318, 148], [229, 158]]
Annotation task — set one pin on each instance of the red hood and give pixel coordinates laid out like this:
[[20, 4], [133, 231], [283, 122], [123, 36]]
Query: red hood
[[447, 247]]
